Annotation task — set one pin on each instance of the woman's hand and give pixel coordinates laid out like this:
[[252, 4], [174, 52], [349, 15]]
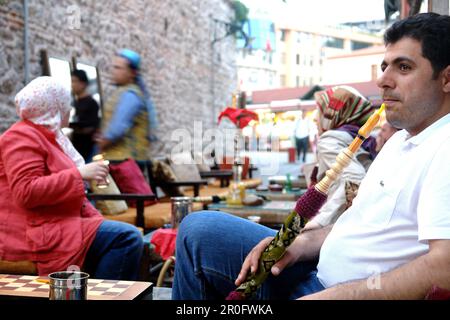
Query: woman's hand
[[97, 171]]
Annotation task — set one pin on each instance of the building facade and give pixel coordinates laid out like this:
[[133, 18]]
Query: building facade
[[290, 53], [358, 66], [302, 50]]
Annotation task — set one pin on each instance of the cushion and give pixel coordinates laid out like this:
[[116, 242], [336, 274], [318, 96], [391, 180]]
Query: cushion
[[438, 293], [130, 179], [184, 167], [203, 163], [203, 167], [109, 207], [161, 173], [156, 216], [164, 241]]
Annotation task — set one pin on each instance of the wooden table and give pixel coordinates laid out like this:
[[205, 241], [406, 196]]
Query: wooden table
[[279, 195], [223, 175], [98, 289], [271, 212], [297, 182]]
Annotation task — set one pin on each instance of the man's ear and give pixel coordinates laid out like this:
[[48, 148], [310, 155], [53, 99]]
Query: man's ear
[[446, 80]]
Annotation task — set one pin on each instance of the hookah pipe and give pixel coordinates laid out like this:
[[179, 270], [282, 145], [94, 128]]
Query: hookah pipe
[[307, 206], [209, 199]]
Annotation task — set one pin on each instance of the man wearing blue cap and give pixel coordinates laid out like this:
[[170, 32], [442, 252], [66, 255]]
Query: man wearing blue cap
[[129, 115]]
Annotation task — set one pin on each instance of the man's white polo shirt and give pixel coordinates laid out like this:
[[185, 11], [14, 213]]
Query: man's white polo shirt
[[403, 202]]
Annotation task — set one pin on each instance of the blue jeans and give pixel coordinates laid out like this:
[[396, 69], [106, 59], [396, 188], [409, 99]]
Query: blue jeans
[[116, 252], [211, 247], [302, 146]]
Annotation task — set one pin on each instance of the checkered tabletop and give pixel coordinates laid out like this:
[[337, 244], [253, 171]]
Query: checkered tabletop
[[98, 289]]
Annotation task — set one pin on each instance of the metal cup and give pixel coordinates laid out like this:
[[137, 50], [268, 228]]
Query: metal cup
[[181, 207], [68, 285]]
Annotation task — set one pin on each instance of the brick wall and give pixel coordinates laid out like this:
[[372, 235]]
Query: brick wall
[[189, 78]]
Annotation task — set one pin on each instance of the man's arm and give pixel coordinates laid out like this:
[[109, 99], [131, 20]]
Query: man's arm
[[306, 247], [310, 241], [410, 281]]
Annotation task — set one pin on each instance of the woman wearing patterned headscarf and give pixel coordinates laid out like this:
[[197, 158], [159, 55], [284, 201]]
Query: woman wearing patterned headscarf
[[45, 216], [342, 110]]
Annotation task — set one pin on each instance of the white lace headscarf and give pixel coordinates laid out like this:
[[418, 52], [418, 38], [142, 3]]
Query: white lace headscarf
[[44, 101]]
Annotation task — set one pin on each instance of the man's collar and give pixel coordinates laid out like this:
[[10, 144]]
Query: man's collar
[[422, 136]]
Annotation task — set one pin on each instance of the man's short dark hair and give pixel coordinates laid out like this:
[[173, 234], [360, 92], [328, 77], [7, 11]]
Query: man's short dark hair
[[80, 75], [432, 30]]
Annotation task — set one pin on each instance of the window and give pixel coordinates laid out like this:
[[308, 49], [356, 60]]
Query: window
[[332, 42], [282, 80], [297, 81], [297, 59], [253, 77], [304, 38], [282, 35], [60, 69], [360, 45]]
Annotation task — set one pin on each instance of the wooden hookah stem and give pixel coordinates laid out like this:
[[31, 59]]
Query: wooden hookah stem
[[345, 156]]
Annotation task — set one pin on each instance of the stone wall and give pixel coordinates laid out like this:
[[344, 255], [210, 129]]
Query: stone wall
[[189, 78]]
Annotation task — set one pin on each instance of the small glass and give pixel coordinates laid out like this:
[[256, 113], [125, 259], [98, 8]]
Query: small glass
[[103, 184]]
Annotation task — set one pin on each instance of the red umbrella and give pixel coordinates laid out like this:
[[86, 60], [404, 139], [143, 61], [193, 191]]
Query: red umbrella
[[240, 117]]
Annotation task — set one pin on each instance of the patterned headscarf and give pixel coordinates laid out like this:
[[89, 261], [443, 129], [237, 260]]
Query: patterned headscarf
[[342, 105], [44, 101]]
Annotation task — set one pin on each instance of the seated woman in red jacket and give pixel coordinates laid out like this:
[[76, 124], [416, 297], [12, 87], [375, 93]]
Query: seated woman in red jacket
[[44, 214]]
